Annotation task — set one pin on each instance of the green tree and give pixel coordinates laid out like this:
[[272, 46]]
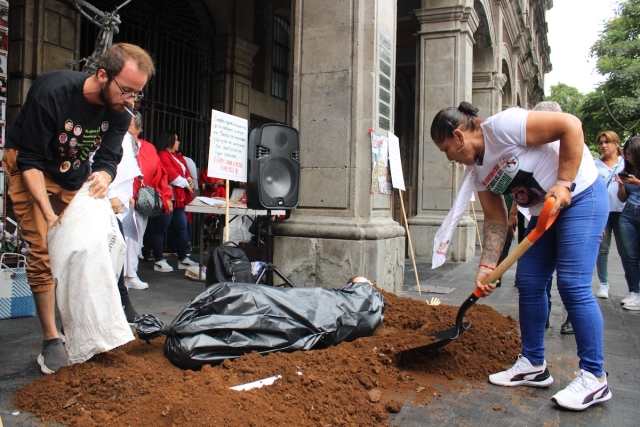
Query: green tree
[[615, 104], [568, 97]]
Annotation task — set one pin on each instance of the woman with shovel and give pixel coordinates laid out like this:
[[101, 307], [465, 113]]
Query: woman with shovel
[[545, 153]]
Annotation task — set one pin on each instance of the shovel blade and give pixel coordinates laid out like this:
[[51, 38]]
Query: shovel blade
[[442, 338]]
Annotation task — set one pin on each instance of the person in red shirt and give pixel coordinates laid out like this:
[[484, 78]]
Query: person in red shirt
[[211, 187], [181, 184]]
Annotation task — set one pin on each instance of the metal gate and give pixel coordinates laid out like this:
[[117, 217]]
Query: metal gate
[[179, 96]]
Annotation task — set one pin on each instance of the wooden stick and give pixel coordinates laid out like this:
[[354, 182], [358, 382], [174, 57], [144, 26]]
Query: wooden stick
[[413, 257], [226, 212], [476, 221]]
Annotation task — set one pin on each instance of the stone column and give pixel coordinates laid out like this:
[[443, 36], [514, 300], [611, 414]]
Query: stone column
[[340, 229], [232, 81], [44, 36], [445, 62], [487, 92]]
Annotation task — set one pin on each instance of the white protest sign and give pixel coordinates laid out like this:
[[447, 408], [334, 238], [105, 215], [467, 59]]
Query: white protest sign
[[228, 147], [397, 179]]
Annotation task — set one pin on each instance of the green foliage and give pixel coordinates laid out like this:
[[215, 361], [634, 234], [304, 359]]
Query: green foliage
[[615, 104], [567, 96]]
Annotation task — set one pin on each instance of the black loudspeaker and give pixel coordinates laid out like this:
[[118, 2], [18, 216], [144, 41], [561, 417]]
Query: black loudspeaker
[[273, 175]]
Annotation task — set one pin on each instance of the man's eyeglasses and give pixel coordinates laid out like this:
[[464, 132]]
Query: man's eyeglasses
[[136, 96]]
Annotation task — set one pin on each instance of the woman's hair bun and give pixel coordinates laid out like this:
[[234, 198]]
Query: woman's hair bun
[[468, 109]]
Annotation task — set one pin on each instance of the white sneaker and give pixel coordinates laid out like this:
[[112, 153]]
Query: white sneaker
[[585, 390], [186, 263], [163, 266], [603, 291], [631, 298], [633, 305], [523, 373], [135, 283]]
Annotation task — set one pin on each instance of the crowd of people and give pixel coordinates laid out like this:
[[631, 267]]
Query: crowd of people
[[527, 156]]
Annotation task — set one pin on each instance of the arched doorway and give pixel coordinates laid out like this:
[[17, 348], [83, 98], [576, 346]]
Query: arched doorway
[[179, 36], [484, 70]]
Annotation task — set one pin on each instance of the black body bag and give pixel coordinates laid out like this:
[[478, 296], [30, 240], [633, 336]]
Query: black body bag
[[229, 320], [228, 263]]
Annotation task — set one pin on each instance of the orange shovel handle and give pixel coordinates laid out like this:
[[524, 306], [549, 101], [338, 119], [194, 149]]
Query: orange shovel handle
[[544, 222]]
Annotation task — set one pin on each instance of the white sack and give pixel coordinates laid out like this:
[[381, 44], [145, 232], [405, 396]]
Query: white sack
[[87, 252]]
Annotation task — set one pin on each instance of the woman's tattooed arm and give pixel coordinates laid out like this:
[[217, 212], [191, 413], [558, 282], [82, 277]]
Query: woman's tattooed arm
[[494, 235]]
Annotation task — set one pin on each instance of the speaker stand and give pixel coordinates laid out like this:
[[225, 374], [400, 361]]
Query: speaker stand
[[269, 268]]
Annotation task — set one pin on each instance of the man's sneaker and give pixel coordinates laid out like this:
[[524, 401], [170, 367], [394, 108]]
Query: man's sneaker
[[186, 263], [633, 305], [585, 390], [631, 298], [163, 266], [135, 283], [523, 373], [53, 356], [603, 291]]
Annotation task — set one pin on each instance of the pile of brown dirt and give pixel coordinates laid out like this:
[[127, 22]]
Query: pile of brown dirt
[[352, 384]]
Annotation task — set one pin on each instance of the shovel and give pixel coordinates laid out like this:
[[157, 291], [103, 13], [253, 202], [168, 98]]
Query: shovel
[[443, 338]]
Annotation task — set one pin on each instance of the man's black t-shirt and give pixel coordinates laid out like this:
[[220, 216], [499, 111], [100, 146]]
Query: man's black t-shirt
[[56, 130]]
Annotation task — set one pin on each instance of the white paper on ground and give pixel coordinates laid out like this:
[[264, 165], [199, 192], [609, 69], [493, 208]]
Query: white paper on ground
[[256, 384]]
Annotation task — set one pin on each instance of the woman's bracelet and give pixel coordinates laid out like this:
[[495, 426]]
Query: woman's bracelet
[[486, 266]]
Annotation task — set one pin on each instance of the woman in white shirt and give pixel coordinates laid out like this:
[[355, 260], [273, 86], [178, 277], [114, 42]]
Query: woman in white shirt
[[544, 152]]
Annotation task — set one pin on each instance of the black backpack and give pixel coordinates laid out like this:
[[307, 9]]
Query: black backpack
[[228, 263]]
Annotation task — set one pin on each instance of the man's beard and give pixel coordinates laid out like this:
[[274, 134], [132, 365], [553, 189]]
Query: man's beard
[[115, 108]]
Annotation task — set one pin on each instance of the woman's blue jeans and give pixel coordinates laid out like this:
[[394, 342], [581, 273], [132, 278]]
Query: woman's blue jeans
[[569, 247], [158, 228], [612, 227], [630, 230]]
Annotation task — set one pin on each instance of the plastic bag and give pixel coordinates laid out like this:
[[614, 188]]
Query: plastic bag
[[87, 253], [239, 229], [16, 299], [232, 319]]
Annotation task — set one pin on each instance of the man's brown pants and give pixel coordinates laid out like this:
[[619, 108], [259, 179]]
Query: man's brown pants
[[31, 220]]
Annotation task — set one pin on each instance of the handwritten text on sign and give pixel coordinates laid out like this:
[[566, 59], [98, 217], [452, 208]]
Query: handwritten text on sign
[[228, 147]]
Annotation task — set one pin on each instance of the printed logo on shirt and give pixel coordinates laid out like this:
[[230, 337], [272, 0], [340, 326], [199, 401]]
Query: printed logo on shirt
[[65, 166], [63, 138], [73, 142], [68, 125], [61, 151], [104, 126], [497, 180], [77, 130], [76, 164], [509, 163], [88, 142], [73, 151], [525, 190]]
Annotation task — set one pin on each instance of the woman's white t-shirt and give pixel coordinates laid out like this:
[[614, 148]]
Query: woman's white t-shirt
[[528, 173]]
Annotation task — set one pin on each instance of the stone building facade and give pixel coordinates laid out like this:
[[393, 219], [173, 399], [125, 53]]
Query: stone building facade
[[332, 69]]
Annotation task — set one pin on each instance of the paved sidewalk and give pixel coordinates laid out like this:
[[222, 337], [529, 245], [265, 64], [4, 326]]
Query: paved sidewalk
[[526, 406], [168, 293]]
